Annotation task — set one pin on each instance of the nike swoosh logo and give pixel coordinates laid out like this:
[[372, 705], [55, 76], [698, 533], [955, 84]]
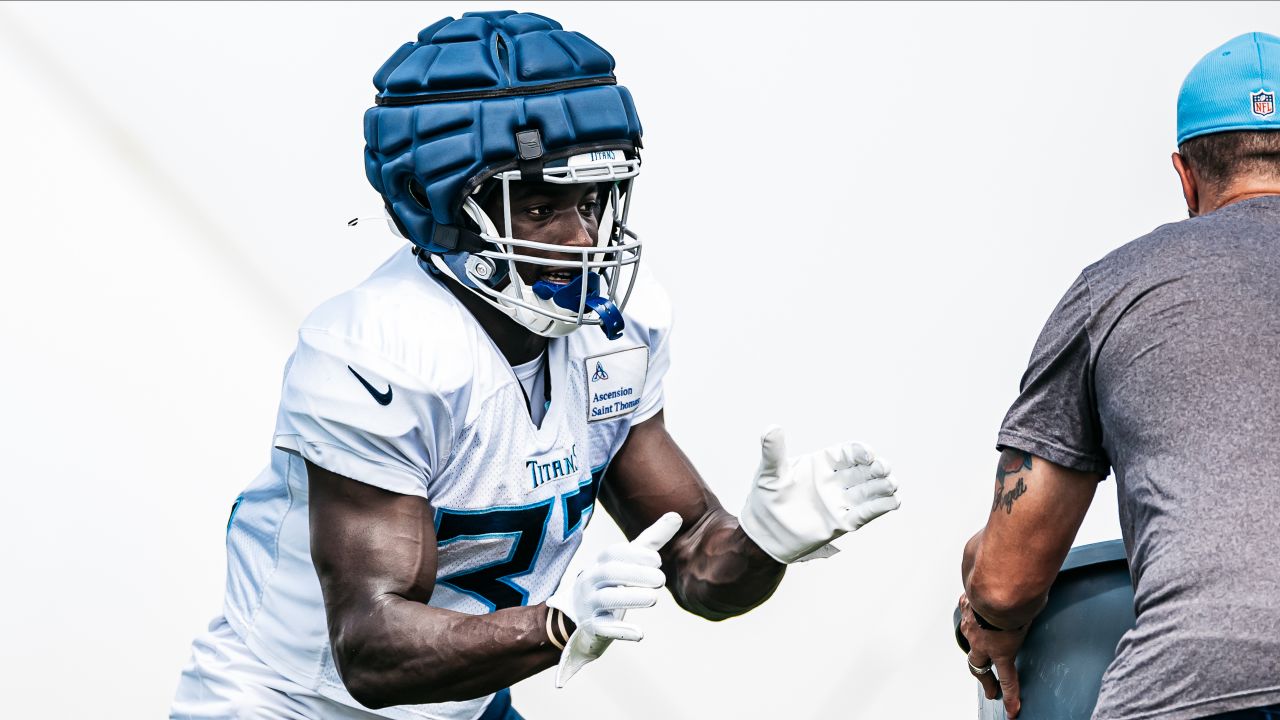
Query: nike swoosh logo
[[382, 398]]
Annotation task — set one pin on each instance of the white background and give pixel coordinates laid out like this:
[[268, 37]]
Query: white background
[[864, 214]]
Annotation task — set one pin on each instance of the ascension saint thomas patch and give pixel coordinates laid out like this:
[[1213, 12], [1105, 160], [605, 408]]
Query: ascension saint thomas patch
[[614, 382]]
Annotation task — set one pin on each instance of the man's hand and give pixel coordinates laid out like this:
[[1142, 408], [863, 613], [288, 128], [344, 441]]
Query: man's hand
[[796, 507], [996, 649], [625, 576]]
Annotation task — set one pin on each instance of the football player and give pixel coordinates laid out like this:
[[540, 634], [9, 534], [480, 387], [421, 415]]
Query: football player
[[446, 427]]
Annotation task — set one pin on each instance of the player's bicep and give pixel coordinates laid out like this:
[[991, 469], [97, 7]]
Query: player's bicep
[[367, 542], [1036, 509], [650, 476]]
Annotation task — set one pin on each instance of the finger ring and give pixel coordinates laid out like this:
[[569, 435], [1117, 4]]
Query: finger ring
[[978, 670]]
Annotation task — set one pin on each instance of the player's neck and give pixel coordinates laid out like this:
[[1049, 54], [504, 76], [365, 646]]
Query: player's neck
[[516, 343]]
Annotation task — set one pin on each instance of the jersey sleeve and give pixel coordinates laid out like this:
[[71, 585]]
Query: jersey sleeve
[[354, 413], [652, 315], [1056, 416], [659, 359]]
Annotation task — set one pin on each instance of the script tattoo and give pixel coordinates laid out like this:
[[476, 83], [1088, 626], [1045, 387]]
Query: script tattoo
[[1012, 462]]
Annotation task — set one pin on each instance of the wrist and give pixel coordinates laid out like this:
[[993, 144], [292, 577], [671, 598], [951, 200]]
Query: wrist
[[558, 627], [756, 555], [987, 625]]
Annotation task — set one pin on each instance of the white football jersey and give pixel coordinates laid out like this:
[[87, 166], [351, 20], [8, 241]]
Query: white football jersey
[[395, 384]]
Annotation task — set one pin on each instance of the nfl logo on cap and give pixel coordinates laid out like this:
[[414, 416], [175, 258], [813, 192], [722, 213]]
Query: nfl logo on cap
[[1233, 88], [1264, 103]]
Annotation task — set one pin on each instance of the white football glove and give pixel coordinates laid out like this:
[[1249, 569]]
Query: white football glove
[[796, 507], [625, 576]]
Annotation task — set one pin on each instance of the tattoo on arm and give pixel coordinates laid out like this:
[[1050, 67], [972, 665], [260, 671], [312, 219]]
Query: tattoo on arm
[[1012, 462]]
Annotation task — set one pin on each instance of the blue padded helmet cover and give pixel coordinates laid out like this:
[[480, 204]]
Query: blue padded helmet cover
[[450, 104]]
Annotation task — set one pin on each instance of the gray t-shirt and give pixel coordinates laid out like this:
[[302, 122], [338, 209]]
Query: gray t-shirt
[[1163, 362]]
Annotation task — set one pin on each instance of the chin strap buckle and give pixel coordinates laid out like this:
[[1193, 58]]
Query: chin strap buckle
[[569, 297]]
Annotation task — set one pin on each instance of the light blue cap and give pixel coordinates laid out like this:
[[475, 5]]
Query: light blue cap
[[1232, 88]]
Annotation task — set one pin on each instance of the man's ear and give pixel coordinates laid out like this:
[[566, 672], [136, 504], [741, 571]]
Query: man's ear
[[1190, 190]]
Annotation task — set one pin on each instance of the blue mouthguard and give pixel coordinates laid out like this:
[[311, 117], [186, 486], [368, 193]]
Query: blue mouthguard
[[569, 296]]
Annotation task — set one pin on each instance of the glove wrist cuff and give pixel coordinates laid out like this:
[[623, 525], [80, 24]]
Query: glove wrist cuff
[[759, 531], [562, 599], [776, 539]]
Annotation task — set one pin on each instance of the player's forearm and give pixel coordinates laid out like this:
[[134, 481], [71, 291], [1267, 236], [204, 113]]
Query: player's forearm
[[401, 652], [1036, 509], [717, 572]]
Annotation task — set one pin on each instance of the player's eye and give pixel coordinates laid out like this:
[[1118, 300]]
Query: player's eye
[[539, 212], [588, 208]]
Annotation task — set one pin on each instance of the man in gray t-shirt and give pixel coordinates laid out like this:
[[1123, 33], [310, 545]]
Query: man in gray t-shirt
[[1161, 362]]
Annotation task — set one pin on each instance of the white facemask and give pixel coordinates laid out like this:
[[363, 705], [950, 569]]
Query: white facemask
[[605, 273]]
